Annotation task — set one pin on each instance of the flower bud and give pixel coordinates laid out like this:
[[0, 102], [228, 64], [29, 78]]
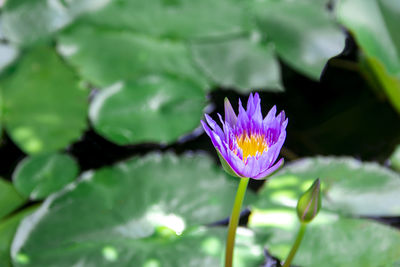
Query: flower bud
[[309, 203]]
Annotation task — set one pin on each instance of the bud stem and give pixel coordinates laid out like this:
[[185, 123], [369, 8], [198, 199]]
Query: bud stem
[[296, 244], [234, 220]]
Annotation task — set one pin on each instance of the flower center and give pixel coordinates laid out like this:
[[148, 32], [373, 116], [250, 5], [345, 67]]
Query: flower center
[[252, 144]]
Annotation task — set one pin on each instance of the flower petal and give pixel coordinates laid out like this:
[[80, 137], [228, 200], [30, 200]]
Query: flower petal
[[215, 139], [230, 115], [276, 148], [252, 167], [232, 164], [214, 125], [250, 105], [254, 108], [268, 171], [268, 158], [281, 117], [243, 121], [270, 115], [285, 123], [206, 128], [272, 132]]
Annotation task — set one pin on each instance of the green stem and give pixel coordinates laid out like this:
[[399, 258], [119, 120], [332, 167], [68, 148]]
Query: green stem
[[296, 244], [234, 220]]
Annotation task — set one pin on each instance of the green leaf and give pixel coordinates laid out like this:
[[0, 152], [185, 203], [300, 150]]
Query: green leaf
[[26, 21], [304, 34], [137, 211], [391, 10], [175, 19], [390, 84], [335, 237], [8, 228], [44, 108], [196, 247], [376, 30], [104, 57], [348, 186], [151, 109], [330, 240], [10, 200], [395, 159], [239, 63], [373, 29], [39, 176]]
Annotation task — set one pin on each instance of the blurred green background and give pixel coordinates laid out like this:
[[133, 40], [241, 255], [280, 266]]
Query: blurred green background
[[103, 160]]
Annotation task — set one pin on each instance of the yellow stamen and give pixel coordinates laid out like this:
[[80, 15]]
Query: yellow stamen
[[252, 144]]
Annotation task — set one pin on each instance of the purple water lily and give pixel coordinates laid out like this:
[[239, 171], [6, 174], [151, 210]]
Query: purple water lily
[[247, 144]]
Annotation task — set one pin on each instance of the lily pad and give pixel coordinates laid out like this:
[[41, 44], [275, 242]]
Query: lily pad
[[26, 21], [239, 63], [44, 107], [104, 57], [175, 19], [304, 34], [151, 109], [349, 186], [195, 247], [115, 216], [38, 176], [330, 240], [8, 228], [337, 236], [10, 200]]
